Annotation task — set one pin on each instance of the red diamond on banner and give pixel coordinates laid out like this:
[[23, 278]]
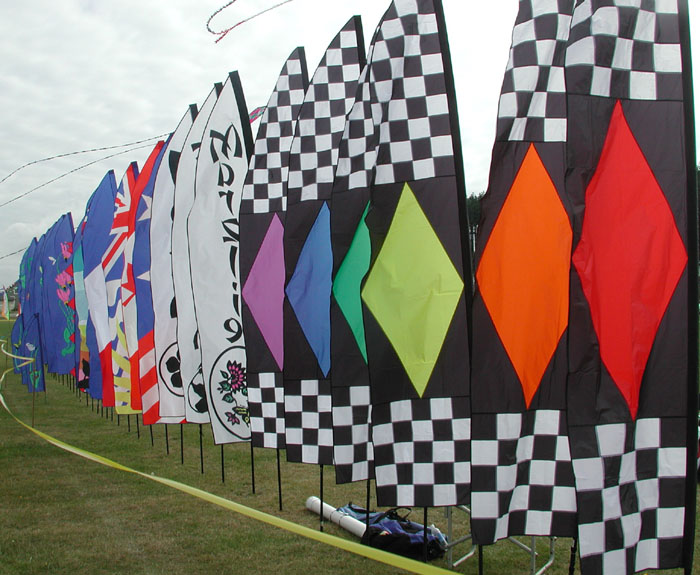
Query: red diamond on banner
[[630, 257]]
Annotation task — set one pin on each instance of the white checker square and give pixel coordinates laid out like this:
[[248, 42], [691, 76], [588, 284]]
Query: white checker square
[[648, 434], [592, 538], [589, 473], [444, 452], [484, 452], [542, 472], [615, 561], [611, 439], [423, 474], [605, 21], [647, 494], [667, 58], [670, 522], [647, 556], [672, 462]]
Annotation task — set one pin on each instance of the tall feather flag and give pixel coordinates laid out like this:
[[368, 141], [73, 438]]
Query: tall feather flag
[[128, 281], [214, 242], [400, 151], [522, 476], [141, 264], [113, 265], [632, 392], [307, 249], [171, 403], [96, 242], [196, 408], [262, 267], [16, 337]]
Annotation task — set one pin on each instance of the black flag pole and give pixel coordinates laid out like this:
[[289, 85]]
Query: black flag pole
[[201, 451], [150, 427], [138, 432], [279, 479], [320, 496], [425, 534], [692, 247], [128, 422], [182, 447], [252, 465], [369, 487], [223, 477], [167, 440]]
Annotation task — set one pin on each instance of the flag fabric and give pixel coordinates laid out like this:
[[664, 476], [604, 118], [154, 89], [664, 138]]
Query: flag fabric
[[262, 253], [632, 389], [522, 475], [16, 336], [5, 312], [307, 248], [33, 373], [400, 156], [171, 401], [214, 236], [31, 345], [25, 268], [62, 295], [141, 264], [113, 265], [96, 242], [46, 302], [128, 280], [196, 408], [82, 351]]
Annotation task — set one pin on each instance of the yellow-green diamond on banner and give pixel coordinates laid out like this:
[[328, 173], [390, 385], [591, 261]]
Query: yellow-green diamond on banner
[[413, 290]]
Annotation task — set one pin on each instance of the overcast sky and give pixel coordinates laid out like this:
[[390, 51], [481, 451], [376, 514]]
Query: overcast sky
[[79, 74]]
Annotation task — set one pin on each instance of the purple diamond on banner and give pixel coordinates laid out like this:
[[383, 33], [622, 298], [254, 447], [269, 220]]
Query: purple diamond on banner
[[264, 289]]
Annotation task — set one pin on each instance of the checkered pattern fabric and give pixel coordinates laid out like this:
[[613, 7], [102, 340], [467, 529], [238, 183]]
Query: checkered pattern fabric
[[402, 105], [353, 451], [264, 188], [331, 95], [522, 476], [630, 481], [308, 421], [532, 106], [422, 452], [623, 49], [266, 406]]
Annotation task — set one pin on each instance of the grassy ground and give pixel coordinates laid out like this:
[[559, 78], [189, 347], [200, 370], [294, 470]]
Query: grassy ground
[[60, 513]]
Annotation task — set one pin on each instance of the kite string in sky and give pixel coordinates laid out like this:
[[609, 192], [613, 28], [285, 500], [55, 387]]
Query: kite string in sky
[[223, 33], [13, 172], [73, 171]]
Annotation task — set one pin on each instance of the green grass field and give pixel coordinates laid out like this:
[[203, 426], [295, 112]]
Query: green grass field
[[60, 513]]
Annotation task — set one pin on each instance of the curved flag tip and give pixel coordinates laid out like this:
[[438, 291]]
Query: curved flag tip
[[223, 33]]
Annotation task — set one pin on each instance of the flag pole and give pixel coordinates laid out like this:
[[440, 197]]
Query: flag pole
[[252, 465], [182, 448], [320, 496], [167, 440], [279, 479], [138, 431], [150, 427], [425, 534], [223, 477], [692, 247], [201, 452]]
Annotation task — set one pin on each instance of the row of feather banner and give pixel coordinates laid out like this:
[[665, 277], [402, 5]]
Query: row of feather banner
[[313, 289]]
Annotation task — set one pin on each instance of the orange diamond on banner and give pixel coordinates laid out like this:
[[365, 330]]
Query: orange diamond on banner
[[523, 275]]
